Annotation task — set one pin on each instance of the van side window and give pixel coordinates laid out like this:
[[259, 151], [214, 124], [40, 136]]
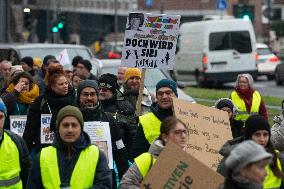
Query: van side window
[[236, 40]]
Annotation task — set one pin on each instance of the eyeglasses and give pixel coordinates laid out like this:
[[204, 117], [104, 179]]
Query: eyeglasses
[[161, 93], [180, 132], [103, 89], [91, 94]]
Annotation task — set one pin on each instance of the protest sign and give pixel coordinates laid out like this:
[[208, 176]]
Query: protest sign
[[175, 169], [99, 133], [209, 129], [46, 135], [150, 40], [18, 124], [63, 58]]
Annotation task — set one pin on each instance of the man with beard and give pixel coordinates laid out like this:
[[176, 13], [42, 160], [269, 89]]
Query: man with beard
[[149, 124], [131, 89], [90, 106], [122, 111]]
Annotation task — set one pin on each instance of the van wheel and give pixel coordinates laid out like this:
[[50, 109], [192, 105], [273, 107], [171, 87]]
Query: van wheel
[[199, 80], [277, 79]]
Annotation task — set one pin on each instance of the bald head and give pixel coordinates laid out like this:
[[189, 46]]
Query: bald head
[[5, 68]]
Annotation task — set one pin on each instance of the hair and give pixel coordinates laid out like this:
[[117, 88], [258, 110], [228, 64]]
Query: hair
[[53, 73], [137, 15], [169, 124], [78, 74], [248, 77], [75, 60], [15, 79], [274, 165]]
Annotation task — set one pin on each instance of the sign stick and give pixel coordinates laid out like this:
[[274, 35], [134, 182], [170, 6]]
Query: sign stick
[[141, 88]]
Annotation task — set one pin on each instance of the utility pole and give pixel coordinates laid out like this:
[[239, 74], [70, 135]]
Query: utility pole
[[54, 19], [162, 6], [115, 24]]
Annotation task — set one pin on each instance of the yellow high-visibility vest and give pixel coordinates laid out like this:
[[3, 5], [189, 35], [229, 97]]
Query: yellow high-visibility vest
[[151, 126], [83, 174], [144, 162], [239, 102], [9, 164], [271, 181]]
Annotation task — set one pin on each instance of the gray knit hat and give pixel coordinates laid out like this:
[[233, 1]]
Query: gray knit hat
[[87, 83], [245, 153], [69, 111]]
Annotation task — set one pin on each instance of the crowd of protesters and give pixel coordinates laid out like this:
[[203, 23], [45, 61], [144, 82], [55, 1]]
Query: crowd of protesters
[[73, 95]]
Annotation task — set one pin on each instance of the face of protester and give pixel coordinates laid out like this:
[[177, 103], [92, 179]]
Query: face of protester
[[25, 66], [2, 119], [134, 23], [255, 172], [82, 69], [25, 84], [76, 81], [105, 93], [6, 70], [243, 83], [88, 97], [60, 87], [261, 137], [227, 109], [69, 129], [164, 97], [120, 75], [178, 135], [133, 83], [69, 75]]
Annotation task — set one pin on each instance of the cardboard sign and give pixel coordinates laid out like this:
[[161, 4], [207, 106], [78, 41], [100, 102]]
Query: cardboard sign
[[18, 124], [209, 129], [150, 40], [175, 169], [46, 135], [99, 133]]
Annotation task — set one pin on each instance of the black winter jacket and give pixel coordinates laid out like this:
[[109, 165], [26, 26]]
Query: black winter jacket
[[231, 183], [67, 159], [47, 103]]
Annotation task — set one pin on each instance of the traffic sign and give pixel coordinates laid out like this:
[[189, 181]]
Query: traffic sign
[[221, 5]]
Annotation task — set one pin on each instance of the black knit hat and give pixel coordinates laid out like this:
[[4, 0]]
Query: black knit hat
[[225, 103], [86, 63], [87, 83], [255, 123], [47, 58], [76, 60], [28, 60], [109, 81]]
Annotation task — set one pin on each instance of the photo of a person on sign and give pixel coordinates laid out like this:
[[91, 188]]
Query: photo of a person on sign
[[135, 21]]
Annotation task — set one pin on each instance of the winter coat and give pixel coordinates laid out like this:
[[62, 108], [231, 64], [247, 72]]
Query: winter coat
[[47, 103], [67, 159], [124, 115], [141, 144], [119, 151], [25, 162], [132, 178], [232, 183]]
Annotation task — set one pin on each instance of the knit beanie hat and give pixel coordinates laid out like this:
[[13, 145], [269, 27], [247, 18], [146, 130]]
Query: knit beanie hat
[[37, 62], [28, 60], [132, 72], [224, 102], [86, 63], [69, 111], [255, 123], [109, 81], [167, 83], [245, 153], [47, 58], [3, 107], [75, 60], [87, 83]]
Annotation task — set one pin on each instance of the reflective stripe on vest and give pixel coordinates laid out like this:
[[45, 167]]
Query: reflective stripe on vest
[[144, 162], [9, 164], [239, 102], [151, 126], [82, 176], [271, 181]]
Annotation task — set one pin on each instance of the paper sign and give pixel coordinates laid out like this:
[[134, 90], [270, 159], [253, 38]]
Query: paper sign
[[99, 133], [175, 169], [46, 135], [150, 40], [18, 124], [209, 129]]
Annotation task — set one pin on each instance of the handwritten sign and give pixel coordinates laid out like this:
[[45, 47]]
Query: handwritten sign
[[46, 135], [18, 124], [150, 40], [99, 133], [181, 171], [209, 129]]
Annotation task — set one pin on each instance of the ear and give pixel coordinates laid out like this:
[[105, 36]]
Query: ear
[[165, 138]]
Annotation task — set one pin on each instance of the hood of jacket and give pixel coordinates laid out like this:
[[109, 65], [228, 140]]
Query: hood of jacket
[[156, 147]]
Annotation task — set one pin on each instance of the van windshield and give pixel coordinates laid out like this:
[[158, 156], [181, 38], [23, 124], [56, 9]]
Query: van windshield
[[234, 40]]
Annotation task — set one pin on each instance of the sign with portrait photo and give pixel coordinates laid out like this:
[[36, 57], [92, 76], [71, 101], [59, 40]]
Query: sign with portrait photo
[[46, 135], [150, 41]]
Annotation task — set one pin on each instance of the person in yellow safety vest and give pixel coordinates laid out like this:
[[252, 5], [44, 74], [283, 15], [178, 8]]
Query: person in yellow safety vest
[[172, 130], [72, 161], [149, 124], [14, 156], [247, 99]]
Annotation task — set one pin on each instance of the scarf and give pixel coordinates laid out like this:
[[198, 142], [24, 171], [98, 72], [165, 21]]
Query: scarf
[[246, 95], [25, 97]]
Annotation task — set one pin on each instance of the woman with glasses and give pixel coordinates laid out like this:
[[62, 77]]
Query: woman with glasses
[[19, 95], [58, 93], [172, 130]]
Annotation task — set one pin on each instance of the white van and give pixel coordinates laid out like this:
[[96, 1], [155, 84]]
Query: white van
[[215, 51]]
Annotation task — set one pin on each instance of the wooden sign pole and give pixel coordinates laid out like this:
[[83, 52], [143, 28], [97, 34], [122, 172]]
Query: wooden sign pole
[[139, 99]]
